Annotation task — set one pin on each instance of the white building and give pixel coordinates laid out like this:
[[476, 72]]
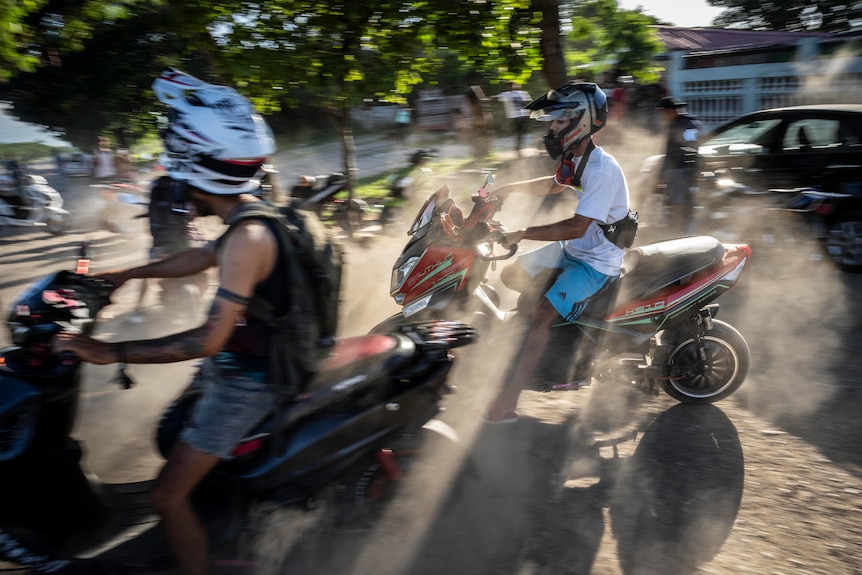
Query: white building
[[725, 73]]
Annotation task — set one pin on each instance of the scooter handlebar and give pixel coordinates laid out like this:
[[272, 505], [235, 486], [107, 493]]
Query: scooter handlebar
[[509, 254], [496, 237], [101, 287]]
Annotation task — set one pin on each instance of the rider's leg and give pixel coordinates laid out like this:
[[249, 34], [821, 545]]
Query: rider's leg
[[535, 343], [233, 402], [566, 299], [171, 499], [515, 277]]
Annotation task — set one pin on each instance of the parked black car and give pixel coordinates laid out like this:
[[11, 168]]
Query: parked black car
[[794, 148], [801, 146]]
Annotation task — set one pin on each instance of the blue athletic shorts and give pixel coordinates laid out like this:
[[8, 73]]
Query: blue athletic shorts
[[575, 285], [232, 404]]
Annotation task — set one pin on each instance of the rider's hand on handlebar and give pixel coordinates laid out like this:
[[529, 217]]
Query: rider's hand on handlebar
[[87, 348], [116, 278], [510, 239]]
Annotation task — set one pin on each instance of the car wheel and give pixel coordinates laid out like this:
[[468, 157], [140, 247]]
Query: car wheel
[[844, 242]]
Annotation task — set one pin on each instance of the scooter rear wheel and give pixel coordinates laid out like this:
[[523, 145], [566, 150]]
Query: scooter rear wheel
[[693, 379]]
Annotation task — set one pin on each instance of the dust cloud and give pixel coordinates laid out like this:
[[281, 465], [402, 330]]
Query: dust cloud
[[544, 497], [511, 502]]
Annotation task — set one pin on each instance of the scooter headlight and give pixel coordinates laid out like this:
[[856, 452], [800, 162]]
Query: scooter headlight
[[400, 273]]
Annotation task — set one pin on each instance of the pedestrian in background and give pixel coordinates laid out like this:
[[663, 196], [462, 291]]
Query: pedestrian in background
[[679, 163], [514, 99], [402, 123], [104, 165], [481, 122]]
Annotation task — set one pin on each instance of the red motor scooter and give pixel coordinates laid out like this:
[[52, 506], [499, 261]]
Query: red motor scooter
[[653, 328]]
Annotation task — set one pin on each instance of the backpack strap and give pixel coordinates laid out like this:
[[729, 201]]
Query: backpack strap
[[258, 306], [579, 171], [283, 370]]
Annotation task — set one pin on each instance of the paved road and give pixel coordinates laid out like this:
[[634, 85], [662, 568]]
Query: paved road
[[795, 420]]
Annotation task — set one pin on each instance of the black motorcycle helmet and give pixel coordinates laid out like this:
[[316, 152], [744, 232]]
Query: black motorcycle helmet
[[584, 103]]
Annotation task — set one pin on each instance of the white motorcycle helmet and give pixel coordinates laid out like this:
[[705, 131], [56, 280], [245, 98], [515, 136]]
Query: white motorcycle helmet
[[584, 103], [215, 141]]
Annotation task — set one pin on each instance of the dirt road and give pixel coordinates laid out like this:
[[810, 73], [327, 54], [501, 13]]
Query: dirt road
[[767, 482]]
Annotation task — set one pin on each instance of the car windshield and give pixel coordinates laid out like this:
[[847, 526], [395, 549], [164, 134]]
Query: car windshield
[[742, 138]]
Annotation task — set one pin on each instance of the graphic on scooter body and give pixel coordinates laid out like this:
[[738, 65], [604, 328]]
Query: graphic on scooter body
[[653, 328]]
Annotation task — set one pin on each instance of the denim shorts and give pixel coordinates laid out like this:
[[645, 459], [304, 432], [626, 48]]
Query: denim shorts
[[577, 283], [233, 402]]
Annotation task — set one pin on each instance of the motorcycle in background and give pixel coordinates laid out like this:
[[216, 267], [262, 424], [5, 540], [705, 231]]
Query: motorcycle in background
[[270, 186], [398, 184], [654, 328], [834, 218], [28, 200], [346, 439], [787, 227], [318, 194]]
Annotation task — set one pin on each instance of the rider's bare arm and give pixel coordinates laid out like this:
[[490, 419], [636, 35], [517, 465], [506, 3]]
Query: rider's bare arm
[[574, 227], [182, 264], [248, 257], [542, 186]]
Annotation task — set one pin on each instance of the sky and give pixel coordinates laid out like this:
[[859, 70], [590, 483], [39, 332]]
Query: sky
[[14, 132], [686, 13], [689, 13]]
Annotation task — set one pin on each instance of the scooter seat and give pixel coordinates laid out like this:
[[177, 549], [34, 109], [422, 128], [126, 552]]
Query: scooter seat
[[357, 365], [649, 268]]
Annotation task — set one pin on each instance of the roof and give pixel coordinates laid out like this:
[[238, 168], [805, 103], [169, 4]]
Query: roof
[[851, 108], [712, 39]]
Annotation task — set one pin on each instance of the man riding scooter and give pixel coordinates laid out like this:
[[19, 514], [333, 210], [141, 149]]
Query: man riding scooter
[[580, 246]]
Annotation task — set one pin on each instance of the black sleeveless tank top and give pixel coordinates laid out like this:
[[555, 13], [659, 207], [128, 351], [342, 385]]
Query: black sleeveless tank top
[[250, 337]]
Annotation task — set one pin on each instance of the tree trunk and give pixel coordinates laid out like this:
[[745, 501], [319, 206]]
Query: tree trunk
[[348, 146], [554, 64]]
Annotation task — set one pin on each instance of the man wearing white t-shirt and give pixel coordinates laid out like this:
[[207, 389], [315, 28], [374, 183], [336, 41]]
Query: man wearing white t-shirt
[[105, 166], [514, 101], [589, 260]]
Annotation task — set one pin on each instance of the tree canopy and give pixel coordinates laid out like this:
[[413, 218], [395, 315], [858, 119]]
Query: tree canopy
[[84, 68], [605, 38], [789, 15]]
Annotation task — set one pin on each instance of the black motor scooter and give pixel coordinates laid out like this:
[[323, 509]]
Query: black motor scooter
[[346, 431]]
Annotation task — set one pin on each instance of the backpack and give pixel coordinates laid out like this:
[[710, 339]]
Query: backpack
[[168, 229], [304, 336]]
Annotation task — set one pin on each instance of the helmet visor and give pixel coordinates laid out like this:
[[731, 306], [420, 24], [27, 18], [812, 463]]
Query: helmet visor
[[550, 114]]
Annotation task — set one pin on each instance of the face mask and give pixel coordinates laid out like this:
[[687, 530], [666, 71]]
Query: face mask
[[553, 145]]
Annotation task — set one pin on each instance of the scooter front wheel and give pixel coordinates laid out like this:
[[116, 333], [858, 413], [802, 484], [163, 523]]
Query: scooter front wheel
[[707, 377]]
